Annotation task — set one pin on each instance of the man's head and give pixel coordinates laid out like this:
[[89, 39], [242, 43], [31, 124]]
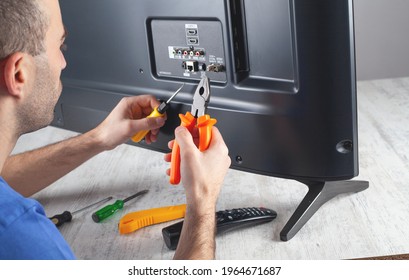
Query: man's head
[[31, 61]]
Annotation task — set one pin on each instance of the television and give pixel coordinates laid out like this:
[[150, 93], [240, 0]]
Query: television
[[282, 72]]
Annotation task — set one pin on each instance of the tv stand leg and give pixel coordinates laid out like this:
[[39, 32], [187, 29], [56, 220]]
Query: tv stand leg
[[318, 194]]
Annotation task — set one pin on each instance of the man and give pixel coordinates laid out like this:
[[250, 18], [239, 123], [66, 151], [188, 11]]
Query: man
[[31, 60]]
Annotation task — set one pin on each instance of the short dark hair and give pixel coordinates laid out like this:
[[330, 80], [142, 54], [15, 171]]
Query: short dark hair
[[23, 27]]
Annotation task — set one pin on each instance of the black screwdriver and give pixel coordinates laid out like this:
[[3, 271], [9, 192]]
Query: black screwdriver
[[66, 216], [110, 209]]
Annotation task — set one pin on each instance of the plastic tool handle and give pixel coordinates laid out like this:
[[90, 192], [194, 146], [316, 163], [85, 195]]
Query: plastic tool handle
[[60, 219], [141, 134], [188, 121], [107, 211], [204, 124], [175, 165], [136, 220]]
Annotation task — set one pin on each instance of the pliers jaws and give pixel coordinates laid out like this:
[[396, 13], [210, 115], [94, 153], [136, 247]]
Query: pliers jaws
[[201, 98]]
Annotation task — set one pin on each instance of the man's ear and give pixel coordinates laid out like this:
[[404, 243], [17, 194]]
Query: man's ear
[[16, 72]]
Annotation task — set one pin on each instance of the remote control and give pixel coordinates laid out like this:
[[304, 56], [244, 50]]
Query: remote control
[[225, 220]]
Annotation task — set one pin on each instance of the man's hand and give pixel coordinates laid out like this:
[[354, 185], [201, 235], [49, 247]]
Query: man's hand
[[202, 175], [32, 171], [128, 118]]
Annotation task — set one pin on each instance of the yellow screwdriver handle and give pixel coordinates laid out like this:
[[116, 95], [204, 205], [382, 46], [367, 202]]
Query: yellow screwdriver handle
[[136, 220], [141, 134]]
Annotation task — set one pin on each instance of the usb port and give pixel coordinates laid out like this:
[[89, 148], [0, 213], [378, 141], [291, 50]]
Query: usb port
[[192, 40]]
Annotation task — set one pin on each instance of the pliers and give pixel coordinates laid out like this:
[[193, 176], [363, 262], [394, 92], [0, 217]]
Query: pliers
[[197, 117]]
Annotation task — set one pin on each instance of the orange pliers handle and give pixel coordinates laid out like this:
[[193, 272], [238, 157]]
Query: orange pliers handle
[[204, 124]]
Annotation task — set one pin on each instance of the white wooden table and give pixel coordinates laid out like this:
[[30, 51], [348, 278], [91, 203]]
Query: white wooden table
[[370, 223]]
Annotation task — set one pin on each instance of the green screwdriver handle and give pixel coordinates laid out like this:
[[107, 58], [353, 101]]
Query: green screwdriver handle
[[107, 211]]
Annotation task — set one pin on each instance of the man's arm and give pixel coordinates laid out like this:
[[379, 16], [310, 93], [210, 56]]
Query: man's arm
[[32, 171], [197, 239], [202, 176]]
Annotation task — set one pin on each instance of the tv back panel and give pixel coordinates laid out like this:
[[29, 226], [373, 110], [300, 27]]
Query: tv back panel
[[283, 85]]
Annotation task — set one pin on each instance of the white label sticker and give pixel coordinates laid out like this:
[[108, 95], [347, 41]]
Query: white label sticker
[[171, 52], [190, 25]]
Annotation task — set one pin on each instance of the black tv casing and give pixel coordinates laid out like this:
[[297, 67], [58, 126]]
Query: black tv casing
[[285, 101], [283, 81]]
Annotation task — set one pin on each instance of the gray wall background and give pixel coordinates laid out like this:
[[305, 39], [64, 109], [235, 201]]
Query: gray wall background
[[382, 38]]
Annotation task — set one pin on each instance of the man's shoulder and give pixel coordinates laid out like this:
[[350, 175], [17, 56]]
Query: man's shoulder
[[25, 230], [13, 205]]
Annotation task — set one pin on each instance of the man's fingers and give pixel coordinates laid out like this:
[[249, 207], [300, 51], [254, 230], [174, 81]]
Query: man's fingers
[[170, 144], [167, 157], [184, 138], [148, 123], [217, 138]]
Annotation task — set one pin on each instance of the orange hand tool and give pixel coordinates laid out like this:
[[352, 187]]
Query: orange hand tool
[[136, 220], [196, 118]]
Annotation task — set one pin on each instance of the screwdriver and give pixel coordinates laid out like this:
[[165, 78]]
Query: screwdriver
[[66, 216], [110, 209], [157, 112]]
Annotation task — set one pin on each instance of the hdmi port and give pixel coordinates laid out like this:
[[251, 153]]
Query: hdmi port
[[193, 41], [191, 32]]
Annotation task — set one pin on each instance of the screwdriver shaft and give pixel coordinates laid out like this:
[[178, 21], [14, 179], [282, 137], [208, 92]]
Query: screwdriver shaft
[[93, 204], [135, 195], [176, 92]]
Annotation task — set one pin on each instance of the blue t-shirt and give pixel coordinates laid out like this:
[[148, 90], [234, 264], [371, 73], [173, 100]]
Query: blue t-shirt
[[25, 231]]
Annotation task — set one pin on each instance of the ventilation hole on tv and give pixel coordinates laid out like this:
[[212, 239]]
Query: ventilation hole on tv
[[345, 147]]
